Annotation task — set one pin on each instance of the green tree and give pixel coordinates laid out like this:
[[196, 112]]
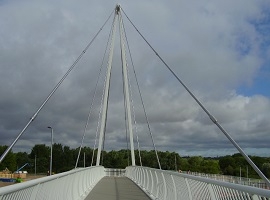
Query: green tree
[[9, 161], [266, 169], [57, 158], [210, 166], [167, 160], [21, 159], [229, 170], [42, 154], [227, 165], [68, 161], [116, 159], [183, 164], [149, 159], [195, 163]]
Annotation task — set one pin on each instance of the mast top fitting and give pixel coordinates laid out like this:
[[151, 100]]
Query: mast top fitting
[[117, 9]]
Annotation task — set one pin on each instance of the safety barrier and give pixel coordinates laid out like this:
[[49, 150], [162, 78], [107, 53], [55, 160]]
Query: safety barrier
[[233, 179], [114, 172], [74, 184], [168, 185]]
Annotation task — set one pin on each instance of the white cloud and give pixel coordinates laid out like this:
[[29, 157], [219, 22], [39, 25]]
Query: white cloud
[[213, 46]]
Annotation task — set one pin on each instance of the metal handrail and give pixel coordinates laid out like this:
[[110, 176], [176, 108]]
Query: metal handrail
[[232, 179], [74, 184], [114, 172], [158, 184], [161, 184]]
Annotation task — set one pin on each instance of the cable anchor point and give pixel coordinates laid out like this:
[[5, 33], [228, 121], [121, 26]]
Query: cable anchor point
[[117, 9]]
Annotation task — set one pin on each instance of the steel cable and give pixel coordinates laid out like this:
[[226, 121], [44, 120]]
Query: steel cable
[[212, 118]]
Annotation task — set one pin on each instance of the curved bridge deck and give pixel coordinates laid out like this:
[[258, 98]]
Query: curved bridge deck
[[116, 188]]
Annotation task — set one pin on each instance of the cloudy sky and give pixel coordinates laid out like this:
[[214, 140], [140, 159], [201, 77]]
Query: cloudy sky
[[219, 49]]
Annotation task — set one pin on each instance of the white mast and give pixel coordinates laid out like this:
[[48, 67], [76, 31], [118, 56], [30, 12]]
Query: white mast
[[126, 85], [107, 87], [106, 94]]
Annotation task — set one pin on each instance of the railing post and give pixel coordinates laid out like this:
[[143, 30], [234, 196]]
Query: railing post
[[189, 191], [157, 194], [152, 182], [136, 172], [211, 191], [34, 192], [140, 179], [255, 197], [143, 177], [165, 186], [174, 187], [147, 180]]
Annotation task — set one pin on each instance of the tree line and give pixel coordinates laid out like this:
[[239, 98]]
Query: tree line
[[64, 159]]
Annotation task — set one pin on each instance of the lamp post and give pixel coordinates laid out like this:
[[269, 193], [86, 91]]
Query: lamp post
[[35, 165], [51, 149]]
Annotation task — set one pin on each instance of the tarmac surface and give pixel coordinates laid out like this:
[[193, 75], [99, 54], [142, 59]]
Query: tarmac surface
[[116, 188]]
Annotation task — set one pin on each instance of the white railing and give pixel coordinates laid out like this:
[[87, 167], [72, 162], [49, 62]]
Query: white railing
[[233, 179], [74, 184], [114, 172], [168, 185]]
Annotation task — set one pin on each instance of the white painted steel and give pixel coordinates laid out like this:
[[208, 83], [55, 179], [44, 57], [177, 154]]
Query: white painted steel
[[71, 185], [114, 172], [174, 188], [126, 87], [191, 187], [106, 94], [233, 179]]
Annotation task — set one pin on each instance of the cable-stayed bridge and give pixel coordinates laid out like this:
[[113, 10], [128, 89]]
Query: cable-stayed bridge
[[133, 182]]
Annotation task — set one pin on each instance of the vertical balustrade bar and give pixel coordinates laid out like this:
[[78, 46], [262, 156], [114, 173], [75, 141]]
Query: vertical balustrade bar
[[174, 187], [144, 178], [165, 186], [68, 185], [158, 184], [34, 193], [189, 191], [211, 191], [152, 182], [193, 187], [147, 180], [255, 197]]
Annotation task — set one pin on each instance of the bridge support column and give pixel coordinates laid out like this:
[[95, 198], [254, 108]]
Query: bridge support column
[[126, 88], [106, 95]]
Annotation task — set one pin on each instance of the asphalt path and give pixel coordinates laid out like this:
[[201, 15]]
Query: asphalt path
[[116, 188]]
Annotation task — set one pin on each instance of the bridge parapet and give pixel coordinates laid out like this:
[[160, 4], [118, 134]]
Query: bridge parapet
[[259, 183], [74, 184], [168, 185], [114, 172]]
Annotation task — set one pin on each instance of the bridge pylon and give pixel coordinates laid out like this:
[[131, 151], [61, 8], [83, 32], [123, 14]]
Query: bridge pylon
[[118, 16]]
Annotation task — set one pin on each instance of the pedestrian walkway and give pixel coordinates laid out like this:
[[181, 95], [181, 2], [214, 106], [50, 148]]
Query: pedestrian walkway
[[116, 188]]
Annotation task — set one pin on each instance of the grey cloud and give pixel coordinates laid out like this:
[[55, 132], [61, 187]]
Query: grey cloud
[[213, 47]]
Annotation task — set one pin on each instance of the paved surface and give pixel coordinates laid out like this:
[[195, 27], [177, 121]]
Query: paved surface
[[116, 188]]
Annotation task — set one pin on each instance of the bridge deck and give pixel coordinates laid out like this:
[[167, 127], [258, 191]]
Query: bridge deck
[[116, 188]]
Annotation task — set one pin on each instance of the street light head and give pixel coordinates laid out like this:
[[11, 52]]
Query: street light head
[[49, 127]]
